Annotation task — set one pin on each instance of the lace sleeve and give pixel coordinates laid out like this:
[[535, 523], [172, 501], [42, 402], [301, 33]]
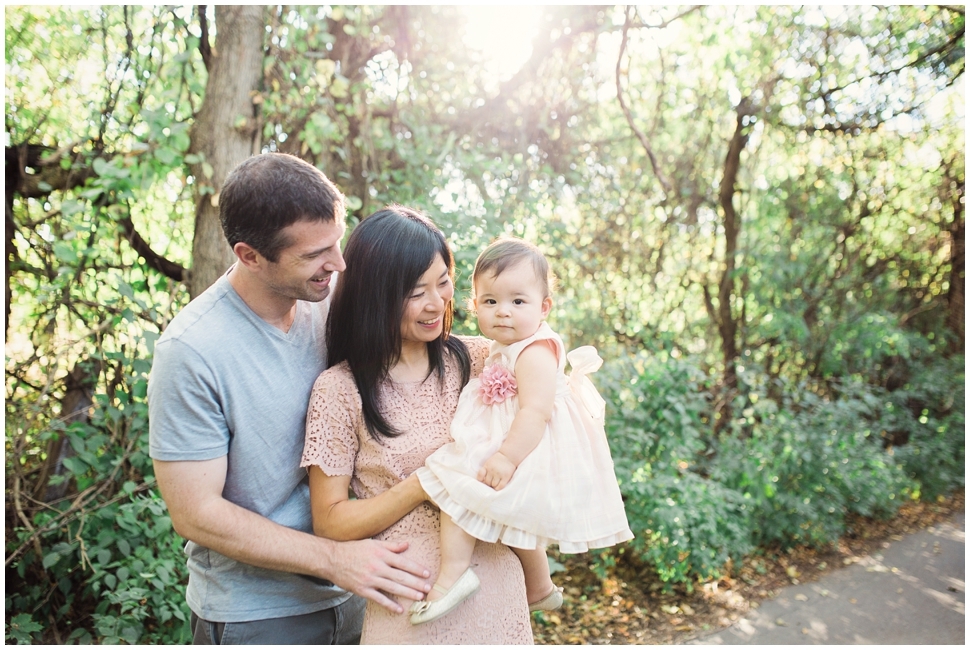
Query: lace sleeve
[[333, 417], [478, 348]]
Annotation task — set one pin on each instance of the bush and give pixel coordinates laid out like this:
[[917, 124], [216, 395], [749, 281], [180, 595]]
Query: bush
[[779, 473], [106, 566], [122, 566], [686, 526], [928, 417], [803, 468]]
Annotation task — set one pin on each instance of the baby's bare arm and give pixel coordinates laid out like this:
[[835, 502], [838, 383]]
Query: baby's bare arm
[[535, 373]]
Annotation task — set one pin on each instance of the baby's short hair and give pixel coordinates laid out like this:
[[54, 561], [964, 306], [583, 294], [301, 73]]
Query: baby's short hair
[[508, 251]]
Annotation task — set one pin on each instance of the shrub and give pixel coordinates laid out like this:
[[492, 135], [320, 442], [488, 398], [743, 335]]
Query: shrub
[[103, 565], [927, 415], [803, 467], [686, 526]]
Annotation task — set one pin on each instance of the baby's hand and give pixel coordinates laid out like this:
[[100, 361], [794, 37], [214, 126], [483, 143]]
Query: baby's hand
[[497, 471]]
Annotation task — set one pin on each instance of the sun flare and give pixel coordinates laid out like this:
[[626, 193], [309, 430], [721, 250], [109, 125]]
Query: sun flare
[[503, 33]]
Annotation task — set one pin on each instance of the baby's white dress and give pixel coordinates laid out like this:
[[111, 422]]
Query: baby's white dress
[[564, 492]]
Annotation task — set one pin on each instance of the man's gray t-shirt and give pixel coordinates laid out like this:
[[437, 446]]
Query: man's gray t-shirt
[[225, 382]]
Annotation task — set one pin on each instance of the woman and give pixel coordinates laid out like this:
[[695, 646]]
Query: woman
[[385, 405]]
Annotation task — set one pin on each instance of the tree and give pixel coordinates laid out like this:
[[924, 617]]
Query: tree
[[225, 131]]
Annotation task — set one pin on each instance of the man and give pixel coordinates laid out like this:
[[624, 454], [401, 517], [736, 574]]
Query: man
[[227, 399]]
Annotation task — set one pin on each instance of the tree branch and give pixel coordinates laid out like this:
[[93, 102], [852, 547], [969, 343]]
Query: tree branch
[[641, 136], [205, 48], [941, 48], [161, 264], [48, 176], [53, 177]]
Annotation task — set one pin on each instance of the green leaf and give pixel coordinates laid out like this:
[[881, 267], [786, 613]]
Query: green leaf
[[339, 87], [22, 628], [131, 634], [165, 155], [70, 207], [125, 289], [554, 565], [65, 252], [51, 559], [75, 465]]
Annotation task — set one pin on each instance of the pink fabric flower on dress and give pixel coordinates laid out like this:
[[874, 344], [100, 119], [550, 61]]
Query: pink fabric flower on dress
[[497, 384]]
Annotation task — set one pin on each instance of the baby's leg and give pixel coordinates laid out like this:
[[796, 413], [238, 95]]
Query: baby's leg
[[538, 584], [457, 547]]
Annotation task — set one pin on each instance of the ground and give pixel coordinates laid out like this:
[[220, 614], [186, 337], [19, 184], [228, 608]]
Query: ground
[[629, 606]]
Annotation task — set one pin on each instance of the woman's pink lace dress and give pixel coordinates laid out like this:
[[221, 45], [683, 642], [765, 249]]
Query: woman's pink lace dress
[[338, 442]]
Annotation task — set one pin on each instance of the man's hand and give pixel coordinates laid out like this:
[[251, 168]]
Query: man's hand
[[497, 471], [374, 569]]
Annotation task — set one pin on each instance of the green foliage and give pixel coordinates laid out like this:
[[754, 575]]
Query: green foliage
[[140, 574], [21, 629], [658, 422], [125, 562], [685, 525], [925, 423], [779, 473], [111, 568], [801, 468]]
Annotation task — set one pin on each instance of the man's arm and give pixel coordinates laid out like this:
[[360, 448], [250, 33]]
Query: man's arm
[[193, 492]]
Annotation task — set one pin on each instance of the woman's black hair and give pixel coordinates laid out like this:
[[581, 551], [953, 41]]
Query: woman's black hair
[[386, 255]]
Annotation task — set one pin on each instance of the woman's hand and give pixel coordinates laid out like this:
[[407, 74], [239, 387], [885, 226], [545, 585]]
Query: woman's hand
[[497, 471], [412, 485]]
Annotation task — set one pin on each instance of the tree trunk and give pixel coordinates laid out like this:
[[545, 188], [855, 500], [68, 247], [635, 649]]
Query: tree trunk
[[10, 244], [956, 296], [726, 323], [722, 313], [224, 133], [77, 402]]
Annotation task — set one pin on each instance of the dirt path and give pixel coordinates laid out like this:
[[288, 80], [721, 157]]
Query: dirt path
[[910, 592]]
